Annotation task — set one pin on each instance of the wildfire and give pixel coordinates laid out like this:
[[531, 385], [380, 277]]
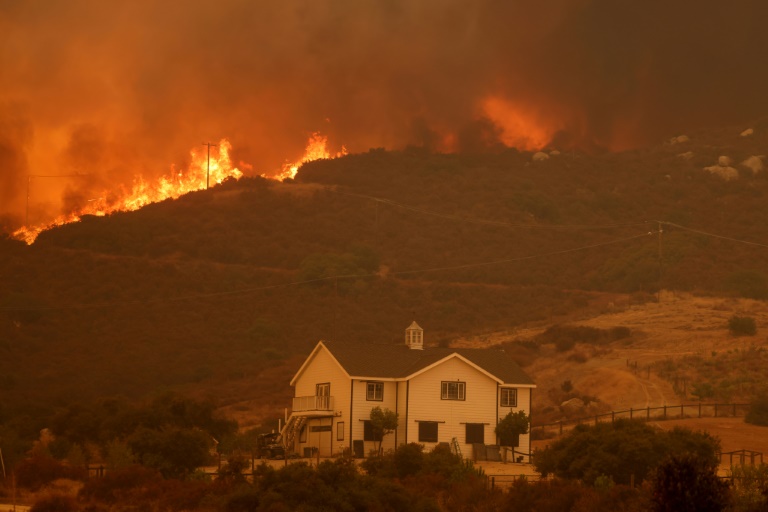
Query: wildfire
[[317, 149], [170, 186], [177, 183], [521, 127]]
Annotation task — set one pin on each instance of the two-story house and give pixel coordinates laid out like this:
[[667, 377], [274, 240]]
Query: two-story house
[[440, 394]]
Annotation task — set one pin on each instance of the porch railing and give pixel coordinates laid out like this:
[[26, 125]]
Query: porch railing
[[312, 403]]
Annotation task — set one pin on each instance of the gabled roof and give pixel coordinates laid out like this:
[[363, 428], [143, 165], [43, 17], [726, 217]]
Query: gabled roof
[[368, 360]]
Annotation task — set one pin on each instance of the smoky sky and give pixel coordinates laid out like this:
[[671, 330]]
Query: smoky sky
[[123, 88]]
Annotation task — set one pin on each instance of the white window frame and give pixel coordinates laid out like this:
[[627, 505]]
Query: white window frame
[[374, 391], [450, 390], [508, 397]]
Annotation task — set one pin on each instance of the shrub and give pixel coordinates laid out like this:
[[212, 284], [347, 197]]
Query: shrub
[[758, 411], [618, 451], [41, 469], [55, 503], [688, 482], [742, 326]]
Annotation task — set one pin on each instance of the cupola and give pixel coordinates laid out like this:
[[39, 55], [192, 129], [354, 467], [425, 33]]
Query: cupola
[[414, 337]]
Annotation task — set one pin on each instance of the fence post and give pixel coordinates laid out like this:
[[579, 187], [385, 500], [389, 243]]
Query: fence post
[[682, 411], [493, 482], [630, 413], [648, 413], [665, 411], [699, 409], [613, 417]]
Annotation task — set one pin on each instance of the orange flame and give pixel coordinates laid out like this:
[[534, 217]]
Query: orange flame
[[142, 192], [521, 127], [317, 149]]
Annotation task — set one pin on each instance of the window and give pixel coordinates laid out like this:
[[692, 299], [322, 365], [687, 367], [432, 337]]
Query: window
[[453, 390], [323, 394], [475, 433], [427, 431], [375, 391], [368, 433], [508, 397], [340, 431]]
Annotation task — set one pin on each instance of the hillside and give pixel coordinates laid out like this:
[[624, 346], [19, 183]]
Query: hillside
[[198, 294]]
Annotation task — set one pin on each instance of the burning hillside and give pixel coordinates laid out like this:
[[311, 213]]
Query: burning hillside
[[207, 167], [115, 90]]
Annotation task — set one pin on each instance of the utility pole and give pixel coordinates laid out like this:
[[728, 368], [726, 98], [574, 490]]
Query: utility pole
[[660, 260], [208, 175]]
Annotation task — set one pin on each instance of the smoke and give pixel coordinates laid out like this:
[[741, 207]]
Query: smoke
[[125, 88]]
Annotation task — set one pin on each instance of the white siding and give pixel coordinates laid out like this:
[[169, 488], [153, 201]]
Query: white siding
[[479, 405], [321, 369], [402, 420], [523, 404], [361, 410]]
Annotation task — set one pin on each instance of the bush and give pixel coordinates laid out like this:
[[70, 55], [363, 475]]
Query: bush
[[688, 482], [55, 503], [629, 447], [742, 326], [41, 469], [758, 411]]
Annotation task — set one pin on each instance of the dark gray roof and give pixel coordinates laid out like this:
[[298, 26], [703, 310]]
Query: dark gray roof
[[398, 361]]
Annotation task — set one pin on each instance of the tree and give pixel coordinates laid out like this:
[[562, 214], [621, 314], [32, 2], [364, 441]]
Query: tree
[[742, 325], [511, 427], [626, 448], [175, 452], [688, 482], [383, 422]]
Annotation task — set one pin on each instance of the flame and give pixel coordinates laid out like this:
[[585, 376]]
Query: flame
[[317, 149], [142, 193], [521, 127]]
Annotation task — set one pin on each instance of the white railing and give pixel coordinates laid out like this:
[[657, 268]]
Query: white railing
[[312, 403]]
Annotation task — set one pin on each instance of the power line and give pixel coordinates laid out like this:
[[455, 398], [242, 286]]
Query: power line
[[712, 234], [486, 221], [244, 291]]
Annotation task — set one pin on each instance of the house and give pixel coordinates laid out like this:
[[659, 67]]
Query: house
[[440, 394]]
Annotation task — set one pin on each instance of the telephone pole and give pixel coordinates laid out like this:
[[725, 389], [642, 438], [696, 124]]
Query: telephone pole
[[208, 174], [661, 265]]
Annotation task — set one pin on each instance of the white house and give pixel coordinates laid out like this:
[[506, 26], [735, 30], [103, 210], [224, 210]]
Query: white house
[[440, 394]]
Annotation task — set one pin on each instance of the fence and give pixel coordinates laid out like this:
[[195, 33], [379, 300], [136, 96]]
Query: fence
[[665, 412], [506, 481]]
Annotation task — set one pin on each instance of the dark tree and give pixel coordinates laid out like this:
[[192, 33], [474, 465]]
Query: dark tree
[[688, 482]]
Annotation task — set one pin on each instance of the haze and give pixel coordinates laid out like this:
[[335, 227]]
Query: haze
[[119, 89]]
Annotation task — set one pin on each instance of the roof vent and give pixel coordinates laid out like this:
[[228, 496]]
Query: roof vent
[[414, 337]]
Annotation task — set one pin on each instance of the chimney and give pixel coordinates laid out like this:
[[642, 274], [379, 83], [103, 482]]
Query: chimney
[[414, 337]]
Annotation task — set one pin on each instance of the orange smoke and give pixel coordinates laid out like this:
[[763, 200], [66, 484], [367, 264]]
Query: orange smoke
[[317, 149], [170, 186], [521, 125], [178, 183]]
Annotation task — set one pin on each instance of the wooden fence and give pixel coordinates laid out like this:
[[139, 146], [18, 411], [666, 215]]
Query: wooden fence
[[665, 412]]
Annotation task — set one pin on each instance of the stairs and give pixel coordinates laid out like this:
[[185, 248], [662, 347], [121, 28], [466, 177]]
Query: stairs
[[456, 447], [291, 428]]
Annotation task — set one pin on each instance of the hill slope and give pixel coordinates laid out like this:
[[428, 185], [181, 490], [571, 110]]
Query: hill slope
[[196, 294]]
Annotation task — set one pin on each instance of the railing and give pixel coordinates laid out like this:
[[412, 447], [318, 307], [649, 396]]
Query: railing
[[312, 403]]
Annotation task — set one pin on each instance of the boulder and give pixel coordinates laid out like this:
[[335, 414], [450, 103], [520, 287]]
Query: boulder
[[572, 405], [680, 139], [754, 163]]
